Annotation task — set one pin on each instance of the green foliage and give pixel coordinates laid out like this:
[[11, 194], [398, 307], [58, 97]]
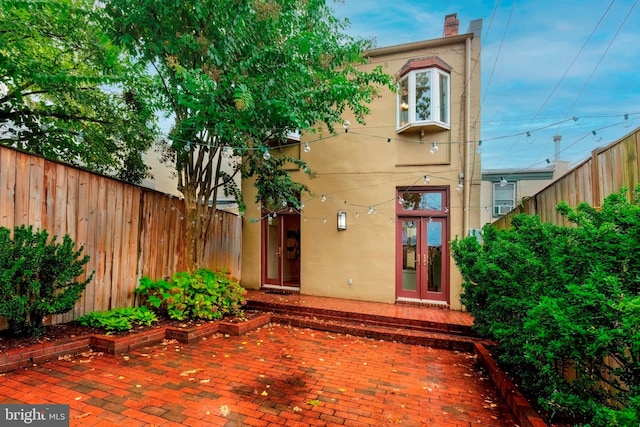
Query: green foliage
[[37, 278], [68, 93], [119, 319], [203, 294], [241, 76], [564, 299]]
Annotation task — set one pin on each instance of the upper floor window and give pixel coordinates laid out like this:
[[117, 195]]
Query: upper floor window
[[504, 198], [424, 95]]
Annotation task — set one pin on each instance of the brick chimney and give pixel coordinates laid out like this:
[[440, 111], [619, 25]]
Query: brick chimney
[[451, 25]]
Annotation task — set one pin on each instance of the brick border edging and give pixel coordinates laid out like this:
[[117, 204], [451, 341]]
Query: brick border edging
[[520, 407], [22, 358]]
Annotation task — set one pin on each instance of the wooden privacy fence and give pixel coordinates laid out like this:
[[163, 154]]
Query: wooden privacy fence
[[127, 231], [607, 170]]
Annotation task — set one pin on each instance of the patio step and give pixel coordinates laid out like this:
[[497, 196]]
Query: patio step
[[409, 331]]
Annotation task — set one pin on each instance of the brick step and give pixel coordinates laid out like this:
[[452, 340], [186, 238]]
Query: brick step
[[365, 320], [387, 333]]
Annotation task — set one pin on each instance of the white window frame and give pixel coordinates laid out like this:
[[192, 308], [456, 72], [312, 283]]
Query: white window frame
[[407, 102], [503, 208]]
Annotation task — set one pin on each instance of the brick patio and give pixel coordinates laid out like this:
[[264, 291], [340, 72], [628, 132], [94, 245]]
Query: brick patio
[[276, 375]]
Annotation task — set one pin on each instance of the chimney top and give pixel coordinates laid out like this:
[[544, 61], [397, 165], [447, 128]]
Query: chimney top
[[451, 24]]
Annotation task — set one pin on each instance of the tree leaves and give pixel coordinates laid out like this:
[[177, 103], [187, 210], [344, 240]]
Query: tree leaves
[[69, 93]]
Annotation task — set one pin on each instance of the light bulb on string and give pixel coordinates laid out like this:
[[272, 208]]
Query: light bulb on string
[[187, 147], [307, 148], [266, 155], [400, 200], [460, 187], [530, 139], [479, 147], [627, 123], [346, 125], [370, 211], [434, 148], [503, 182], [323, 198], [595, 136], [427, 179]]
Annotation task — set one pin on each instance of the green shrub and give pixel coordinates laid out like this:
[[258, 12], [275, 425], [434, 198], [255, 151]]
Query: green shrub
[[564, 304], [37, 278], [203, 294], [119, 319]]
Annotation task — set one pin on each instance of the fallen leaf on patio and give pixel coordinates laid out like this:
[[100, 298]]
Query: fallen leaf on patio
[[224, 410], [264, 393], [126, 357], [186, 373], [66, 357], [205, 381], [314, 402], [342, 390], [138, 386], [86, 414], [297, 409], [394, 370], [321, 359], [120, 377], [84, 360], [79, 397]]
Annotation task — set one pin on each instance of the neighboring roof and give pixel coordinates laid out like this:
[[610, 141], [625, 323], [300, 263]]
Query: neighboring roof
[[517, 174], [408, 47], [421, 63]]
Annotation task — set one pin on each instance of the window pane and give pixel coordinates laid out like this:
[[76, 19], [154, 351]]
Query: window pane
[[422, 201], [444, 98], [434, 245], [403, 105], [423, 96]]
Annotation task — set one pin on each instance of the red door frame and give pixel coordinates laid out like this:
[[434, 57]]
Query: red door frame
[[288, 251], [422, 217]]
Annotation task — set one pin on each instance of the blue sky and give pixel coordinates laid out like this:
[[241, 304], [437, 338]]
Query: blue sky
[[543, 63]]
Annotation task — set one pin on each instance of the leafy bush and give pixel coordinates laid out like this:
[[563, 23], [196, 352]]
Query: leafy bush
[[564, 304], [119, 319], [204, 294], [37, 278]]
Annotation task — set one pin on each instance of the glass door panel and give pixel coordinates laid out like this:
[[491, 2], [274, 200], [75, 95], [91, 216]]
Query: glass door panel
[[281, 251], [409, 254], [273, 251], [421, 262]]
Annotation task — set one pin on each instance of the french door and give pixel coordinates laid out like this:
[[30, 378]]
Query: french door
[[281, 251], [422, 248]]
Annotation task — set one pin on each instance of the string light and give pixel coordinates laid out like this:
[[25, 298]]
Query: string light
[[346, 125], [427, 179], [460, 187], [595, 136], [434, 148], [503, 182], [307, 148], [323, 198], [266, 155]]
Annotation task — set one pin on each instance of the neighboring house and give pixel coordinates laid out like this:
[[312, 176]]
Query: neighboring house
[[388, 196], [503, 189]]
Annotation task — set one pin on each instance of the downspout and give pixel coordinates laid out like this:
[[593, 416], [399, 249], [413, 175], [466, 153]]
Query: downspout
[[467, 141]]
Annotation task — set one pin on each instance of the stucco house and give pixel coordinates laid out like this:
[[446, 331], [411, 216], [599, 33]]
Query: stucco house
[[388, 196]]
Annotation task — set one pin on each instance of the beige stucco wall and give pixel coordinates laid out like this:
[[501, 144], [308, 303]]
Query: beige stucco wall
[[359, 168]]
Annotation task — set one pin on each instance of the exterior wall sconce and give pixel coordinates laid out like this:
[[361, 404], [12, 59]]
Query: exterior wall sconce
[[342, 220]]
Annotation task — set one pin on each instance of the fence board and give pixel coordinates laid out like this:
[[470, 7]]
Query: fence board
[[126, 230]]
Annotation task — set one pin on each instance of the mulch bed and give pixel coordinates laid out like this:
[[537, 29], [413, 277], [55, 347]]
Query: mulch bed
[[74, 329]]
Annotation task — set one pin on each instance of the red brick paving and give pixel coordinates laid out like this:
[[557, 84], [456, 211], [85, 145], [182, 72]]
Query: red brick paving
[[274, 376]]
